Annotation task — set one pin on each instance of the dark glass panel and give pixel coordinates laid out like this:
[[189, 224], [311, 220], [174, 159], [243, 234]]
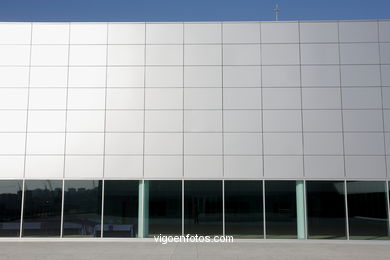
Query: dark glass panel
[[10, 207], [244, 209], [42, 208], [165, 207], [82, 208], [203, 207], [326, 209], [120, 208], [280, 209], [367, 216]]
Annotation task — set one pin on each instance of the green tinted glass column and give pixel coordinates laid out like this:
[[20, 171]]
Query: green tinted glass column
[[300, 191], [143, 208]]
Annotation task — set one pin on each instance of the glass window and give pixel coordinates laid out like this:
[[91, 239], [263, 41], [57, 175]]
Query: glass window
[[203, 207], [82, 208], [280, 209], [367, 215], [326, 209], [244, 209], [42, 208], [10, 207], [120, 209], [165, 207]]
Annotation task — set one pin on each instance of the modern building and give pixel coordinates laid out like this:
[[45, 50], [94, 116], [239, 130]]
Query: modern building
[[251, 129]]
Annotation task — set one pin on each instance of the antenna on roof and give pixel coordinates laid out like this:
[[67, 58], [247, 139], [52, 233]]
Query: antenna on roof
[[276, 10]]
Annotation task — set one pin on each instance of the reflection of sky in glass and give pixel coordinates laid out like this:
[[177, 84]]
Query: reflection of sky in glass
[[10, 186], [83, 184], [43, 184]]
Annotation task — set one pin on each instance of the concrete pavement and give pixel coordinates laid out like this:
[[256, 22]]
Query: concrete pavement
[[259, 250]]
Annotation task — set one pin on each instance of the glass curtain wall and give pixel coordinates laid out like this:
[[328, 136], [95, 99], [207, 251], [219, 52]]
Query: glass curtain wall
[[120, 208], [82, 208], [161, 206], [10, 207], [326, 209], [367, 213], [280, 209], [42, 208], [203, 207], [165, 208], [244, 209]]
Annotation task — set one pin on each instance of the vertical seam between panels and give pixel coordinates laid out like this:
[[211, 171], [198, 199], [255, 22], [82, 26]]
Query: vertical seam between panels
[[104, 136], [222, 108], [141, 199], [65, 133], [144, 117], [25, 138], [261, 102], [183, 111], [301, 91], [341, 100], [262, 132], [182, 153], [382, 99]]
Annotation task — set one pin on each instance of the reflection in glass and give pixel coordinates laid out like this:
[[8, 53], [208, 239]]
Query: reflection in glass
[[165, 207], [120, 209], [82, 208], [367, 216], [42, 208], [10, 207], [244, 209], [326, 209], [203, 207], [280, 209]]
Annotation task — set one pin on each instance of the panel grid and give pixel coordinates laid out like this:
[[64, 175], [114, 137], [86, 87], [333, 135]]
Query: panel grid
[[230, 100]]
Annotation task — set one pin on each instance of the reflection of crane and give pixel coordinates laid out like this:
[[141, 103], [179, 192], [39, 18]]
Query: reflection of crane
[[49, 184]]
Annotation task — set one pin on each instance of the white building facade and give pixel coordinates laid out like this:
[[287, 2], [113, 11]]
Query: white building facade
[[253, 129]]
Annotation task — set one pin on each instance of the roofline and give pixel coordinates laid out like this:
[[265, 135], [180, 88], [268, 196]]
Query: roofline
[[204, 22]]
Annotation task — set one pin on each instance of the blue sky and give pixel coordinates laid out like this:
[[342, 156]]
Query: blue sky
[[190, 10]]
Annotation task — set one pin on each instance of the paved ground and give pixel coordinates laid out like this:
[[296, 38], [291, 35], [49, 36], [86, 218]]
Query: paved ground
[[269, 250]]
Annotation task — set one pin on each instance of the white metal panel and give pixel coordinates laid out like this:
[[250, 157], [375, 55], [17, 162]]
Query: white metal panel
[[80, 167], [126, 33], [283, 167], [242, 167], [163, 167], [123, 166], [199, 33], [203, 167], [50, 33], [15, 33], [88, 33], [11, 167], [365, 167], [44, 167], [241, 32], [164, 33], [279, 32]]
